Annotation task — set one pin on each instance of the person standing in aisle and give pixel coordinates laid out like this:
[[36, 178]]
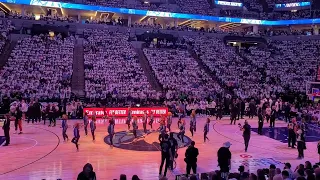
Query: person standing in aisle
[[93, 127], [76, 135], [64, 128], [111, 131], [6, 129], [86, 123], [206, 130]]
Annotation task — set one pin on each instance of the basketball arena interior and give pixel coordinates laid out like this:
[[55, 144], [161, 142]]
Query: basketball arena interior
[[160, 89]]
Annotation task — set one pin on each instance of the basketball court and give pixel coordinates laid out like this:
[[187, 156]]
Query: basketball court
[[40, 152]]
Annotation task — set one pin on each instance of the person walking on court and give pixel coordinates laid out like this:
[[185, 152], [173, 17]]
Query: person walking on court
[[64, 127], [151, 119], [93, 127], [246, 134], [129, 118], [85, 123], [6, 129], [260, 121], [76, 135], [191, 158], [135, 126], [166, 155], [206, 130], [111, 131], [182, 129], [174, 148], [192, 124], [18, 120]]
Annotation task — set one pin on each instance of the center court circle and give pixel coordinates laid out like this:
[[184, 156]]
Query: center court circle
[[143, 142]]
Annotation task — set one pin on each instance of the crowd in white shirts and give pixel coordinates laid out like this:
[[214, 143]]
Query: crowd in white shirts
[[39, 67], [112, 67]]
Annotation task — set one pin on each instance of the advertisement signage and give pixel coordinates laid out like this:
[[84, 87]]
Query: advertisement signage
[[291, 5], [123, 112], [226, 3]]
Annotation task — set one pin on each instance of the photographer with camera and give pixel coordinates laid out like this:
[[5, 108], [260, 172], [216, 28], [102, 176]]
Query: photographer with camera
[[246, 133]]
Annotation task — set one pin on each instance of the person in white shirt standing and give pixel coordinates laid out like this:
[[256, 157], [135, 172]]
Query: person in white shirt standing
[[24, 109]]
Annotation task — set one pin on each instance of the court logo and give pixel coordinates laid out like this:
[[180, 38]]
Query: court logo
[[143, 142]]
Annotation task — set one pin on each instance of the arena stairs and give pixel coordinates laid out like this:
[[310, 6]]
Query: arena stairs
[[203, 66], [146, 67], [77, 81], [9, 46]]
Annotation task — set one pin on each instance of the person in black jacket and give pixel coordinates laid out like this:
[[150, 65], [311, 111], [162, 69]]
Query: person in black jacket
[[18, 120], [87, 173], [6, 129], [273, 116], [252, 109], [243, 106], [191, 158], [260, 120]]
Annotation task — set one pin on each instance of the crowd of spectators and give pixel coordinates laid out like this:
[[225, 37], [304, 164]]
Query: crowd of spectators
[[39, 67], [179, 73], [287, 63], [5, 28], [228, 66], [112, 67]]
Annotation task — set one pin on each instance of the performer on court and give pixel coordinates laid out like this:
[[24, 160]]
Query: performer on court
[[129, 118], [182, 131], [93, 128], [151, 119], [193, 117], [260, 120], [64, 127], [76, 135], [162, 128], [135, 126], [192, 124], [85, 123], [18, 120], [111, 131], [206, 130], [144, 121], [169, 121]]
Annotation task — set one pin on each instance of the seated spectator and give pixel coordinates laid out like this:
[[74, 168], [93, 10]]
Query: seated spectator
[[87, 173]]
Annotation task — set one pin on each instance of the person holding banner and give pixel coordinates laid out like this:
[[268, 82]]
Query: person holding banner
[[111, 130], [76, 135], [129, 118], [64, 126]]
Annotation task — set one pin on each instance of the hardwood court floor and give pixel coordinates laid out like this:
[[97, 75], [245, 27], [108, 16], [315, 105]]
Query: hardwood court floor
[[40, 153]]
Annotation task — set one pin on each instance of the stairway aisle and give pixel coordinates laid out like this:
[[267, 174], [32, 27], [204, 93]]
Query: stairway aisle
[[203, 66], [6, 52], [154, 82], [77, 82]]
